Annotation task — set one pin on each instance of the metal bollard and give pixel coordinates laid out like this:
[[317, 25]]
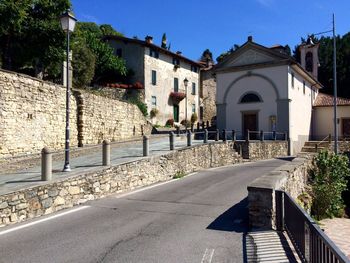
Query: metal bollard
[[207, 124], [217, 135], [178, 131], [106, 153], [145, 146], [171, 140], [274, 135], [46, 164], [198, 127], [261, 135], [233, 135], [189, 138], [203, 125], [205, 136], [224, 135]]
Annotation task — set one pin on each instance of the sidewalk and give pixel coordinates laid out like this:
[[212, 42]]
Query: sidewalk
[[338, 230], [87, 161]]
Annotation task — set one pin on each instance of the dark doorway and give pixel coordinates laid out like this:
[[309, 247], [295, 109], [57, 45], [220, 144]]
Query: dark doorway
[[346, 127], [250, 122], [176, 113]]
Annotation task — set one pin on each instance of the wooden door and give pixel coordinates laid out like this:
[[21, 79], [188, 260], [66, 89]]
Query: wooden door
[[250, 122], [176, 113], [346, 127]]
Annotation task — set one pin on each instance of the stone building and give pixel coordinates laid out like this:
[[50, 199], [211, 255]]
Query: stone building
[[162, 74], [207, 106]]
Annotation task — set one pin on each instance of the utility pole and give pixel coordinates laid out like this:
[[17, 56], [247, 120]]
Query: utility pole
[[335, 88]]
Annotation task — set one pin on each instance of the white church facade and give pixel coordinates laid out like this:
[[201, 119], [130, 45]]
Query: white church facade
[[260, 88]]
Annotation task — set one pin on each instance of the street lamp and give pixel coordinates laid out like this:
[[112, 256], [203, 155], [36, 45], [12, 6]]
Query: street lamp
[[186, 84], [67, 24]]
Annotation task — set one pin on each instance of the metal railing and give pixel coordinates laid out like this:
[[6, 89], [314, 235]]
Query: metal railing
[[328, 138], [262, 136], [310, 242]]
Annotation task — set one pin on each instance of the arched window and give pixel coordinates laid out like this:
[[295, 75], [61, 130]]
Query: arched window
[[250, 97], [309, 63]]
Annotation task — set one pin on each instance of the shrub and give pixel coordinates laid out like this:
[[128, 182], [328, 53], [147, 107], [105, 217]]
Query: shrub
[[142, 106], [170, 123], [329, 178], [179, 174], [194, 118], [153, 113], [186, 123]]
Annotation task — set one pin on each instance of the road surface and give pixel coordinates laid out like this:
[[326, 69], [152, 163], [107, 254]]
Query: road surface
[[199, 218]]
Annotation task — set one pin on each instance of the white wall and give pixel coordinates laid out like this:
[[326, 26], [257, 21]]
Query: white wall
[[324, 120], [165, 85], [300, 110], [255, 84]]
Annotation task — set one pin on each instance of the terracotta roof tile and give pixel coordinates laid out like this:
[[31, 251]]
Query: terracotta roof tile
[[324, 100]]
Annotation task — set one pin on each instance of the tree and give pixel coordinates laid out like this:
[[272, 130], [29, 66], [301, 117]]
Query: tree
[[108, 67], [227, 53], [206, 55], [164, 41], [108, 30], [83, 64], [325, 71], [31, 37]]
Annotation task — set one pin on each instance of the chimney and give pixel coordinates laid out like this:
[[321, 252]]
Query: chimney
[[149, 39], [178, 53], [250, 38]]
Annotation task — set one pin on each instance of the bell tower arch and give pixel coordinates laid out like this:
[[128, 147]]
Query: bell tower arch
[[309, 57]]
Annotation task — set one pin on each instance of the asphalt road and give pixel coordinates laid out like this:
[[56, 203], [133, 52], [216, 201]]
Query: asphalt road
[[199, 218]]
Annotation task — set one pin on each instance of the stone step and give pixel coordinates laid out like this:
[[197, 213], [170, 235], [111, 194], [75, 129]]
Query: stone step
[[314, 143], [311, 149]]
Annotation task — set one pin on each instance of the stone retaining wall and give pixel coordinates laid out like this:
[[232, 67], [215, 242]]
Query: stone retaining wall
[[61, 194], [260, 150], [291, 178], [32, 115]]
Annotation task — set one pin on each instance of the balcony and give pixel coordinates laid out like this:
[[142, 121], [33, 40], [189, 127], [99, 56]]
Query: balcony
[[178, 95]]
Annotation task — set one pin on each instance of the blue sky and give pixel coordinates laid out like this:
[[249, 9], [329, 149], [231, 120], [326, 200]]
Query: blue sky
[[194, 25]]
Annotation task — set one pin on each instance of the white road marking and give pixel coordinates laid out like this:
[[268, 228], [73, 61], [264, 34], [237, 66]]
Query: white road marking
[[151, 186], [42, 220], [208, 255]]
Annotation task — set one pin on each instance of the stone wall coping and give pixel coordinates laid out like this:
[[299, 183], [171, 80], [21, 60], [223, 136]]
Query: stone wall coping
[[272, 180], [275, 179], [102, 169]]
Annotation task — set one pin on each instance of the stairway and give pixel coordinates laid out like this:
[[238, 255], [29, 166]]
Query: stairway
[[314, 146]]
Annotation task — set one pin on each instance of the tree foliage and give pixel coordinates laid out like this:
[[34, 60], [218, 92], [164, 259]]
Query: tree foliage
[[329, 179], [31, 39], [325, 71], [225, 54], [107, 66]]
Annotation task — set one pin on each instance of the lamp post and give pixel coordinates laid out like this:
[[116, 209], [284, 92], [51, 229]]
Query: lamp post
[[186, 84], [67, 24]]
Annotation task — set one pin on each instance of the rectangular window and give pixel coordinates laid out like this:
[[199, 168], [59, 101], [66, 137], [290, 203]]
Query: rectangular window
[[194, 69], [193, 108], [154, 77], [154, 101], [119, 52], [153, 53], [176, 85], [304, 86], [176, 61], [193, 88], [292, 80]]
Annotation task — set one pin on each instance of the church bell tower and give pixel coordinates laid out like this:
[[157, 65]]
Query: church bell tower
[[309, 57]]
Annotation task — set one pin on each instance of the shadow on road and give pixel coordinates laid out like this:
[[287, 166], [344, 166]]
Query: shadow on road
[[234, 219], [288, 158]]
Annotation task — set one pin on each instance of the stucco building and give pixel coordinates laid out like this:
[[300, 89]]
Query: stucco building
[[260, 88], [162, 74]]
